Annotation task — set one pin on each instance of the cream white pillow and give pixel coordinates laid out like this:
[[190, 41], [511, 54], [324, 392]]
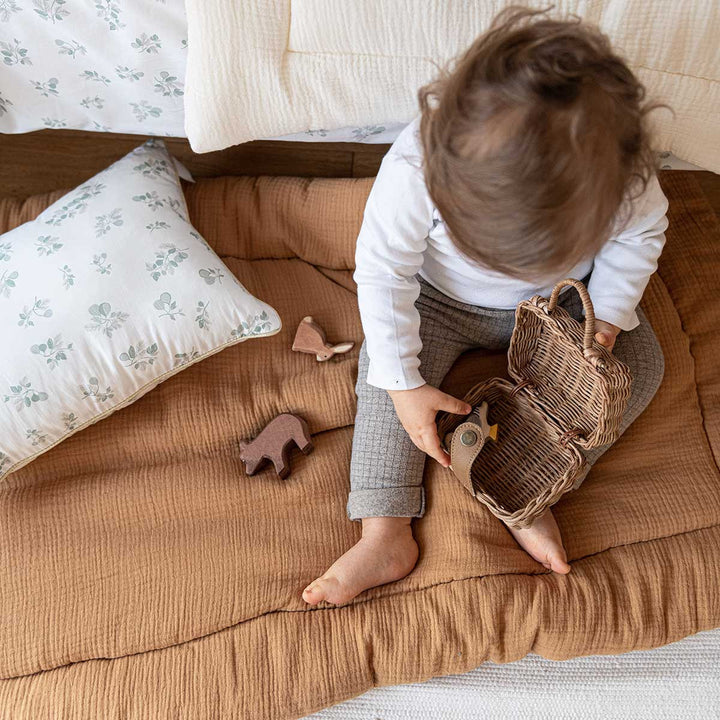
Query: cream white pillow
[[107, 293]]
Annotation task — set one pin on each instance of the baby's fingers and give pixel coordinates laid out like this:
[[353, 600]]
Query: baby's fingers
[[434, 449], [606, 340], [451, 404]]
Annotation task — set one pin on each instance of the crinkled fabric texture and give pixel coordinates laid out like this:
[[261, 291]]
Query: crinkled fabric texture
[[144, 575], [105, 294]]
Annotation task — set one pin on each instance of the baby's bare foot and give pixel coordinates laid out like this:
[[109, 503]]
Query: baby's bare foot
[[386, 552], [542, 541]]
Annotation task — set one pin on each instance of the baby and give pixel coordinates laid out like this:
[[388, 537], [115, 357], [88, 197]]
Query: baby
[[530, 162]]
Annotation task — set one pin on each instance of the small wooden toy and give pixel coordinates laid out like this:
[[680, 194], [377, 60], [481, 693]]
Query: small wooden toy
[[273, 444], [310, 338], [467, 440]]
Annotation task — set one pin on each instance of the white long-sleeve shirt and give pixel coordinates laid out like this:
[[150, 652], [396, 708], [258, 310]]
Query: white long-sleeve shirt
[[403, 235]]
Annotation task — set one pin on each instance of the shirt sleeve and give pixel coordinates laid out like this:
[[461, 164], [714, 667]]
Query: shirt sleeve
[[389, 254], [625, 263]]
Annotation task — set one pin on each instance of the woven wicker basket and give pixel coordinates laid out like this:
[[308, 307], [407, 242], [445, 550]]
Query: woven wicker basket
[[569, 393]]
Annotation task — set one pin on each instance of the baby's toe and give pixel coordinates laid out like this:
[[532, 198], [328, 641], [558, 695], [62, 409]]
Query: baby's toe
[[314, 592], [557, 562], [324, 588]]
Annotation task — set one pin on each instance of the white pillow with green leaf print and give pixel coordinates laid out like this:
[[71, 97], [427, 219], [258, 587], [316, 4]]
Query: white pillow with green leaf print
[[107, 293]]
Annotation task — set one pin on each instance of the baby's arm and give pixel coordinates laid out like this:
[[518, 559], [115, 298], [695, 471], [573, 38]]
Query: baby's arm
[[389, 255], [625, 263]]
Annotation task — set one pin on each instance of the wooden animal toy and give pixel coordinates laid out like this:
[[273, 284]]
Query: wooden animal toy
[[468, 439], [273, 444], [310, 338]]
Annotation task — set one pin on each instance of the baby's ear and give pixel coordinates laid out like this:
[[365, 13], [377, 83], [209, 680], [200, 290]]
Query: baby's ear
[[342, 347]]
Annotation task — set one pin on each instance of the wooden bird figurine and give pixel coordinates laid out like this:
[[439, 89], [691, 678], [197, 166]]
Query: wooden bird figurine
[[466, 443], [489, 431], [273, 444], [310, 338], [474, 429]]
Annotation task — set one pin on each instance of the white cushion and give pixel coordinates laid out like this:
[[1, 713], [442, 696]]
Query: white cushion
[[328, 64], [107, 293]]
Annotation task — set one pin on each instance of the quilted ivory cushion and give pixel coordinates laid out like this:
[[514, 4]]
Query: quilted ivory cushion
[[105, 294], [336, 63], [144, 576]]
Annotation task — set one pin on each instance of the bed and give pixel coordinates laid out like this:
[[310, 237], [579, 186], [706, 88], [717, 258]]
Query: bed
[[123, 68]]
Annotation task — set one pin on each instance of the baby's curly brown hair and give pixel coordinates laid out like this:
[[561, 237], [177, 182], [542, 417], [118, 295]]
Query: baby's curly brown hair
[[532, 143]]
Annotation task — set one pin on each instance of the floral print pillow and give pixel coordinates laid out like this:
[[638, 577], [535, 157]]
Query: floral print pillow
[[108, 292], [93, 65]]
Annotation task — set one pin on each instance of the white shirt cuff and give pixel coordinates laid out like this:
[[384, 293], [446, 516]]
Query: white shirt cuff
[[410, 379], [614, 314]]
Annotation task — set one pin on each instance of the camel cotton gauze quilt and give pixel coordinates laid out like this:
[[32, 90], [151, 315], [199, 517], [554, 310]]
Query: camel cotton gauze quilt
[[180, 576]]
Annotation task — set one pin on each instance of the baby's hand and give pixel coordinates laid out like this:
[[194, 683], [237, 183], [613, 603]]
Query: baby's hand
[[606, 333], [417, 408]]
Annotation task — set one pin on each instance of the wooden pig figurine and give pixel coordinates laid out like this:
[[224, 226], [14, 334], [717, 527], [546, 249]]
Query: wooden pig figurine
[[310, 338], [273, 444]]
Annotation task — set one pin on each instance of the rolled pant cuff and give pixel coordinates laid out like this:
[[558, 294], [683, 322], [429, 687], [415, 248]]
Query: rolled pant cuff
[[386, 502]]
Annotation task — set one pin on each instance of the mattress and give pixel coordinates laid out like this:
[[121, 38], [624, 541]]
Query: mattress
[[144, 575]]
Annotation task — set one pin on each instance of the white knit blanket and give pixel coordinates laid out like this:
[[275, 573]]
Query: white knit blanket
[[262, 68]]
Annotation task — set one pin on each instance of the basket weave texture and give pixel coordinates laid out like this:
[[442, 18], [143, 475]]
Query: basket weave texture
[[569, 393]]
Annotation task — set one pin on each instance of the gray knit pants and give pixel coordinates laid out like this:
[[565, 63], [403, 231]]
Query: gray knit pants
[[386, 470]]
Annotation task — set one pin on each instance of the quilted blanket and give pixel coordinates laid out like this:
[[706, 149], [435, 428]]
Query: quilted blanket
[[271, 67], [144, 575]]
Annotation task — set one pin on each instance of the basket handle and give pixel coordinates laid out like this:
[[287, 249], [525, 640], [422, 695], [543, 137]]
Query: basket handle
[[590, 353]]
